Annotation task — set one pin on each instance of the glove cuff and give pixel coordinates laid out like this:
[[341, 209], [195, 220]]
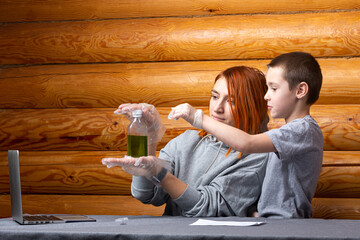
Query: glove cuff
[[159, 177], [198, 116]]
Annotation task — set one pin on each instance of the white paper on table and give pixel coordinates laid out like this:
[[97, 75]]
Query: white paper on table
[[204, 222]]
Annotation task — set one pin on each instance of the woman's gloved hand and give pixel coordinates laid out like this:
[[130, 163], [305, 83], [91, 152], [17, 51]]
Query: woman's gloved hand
[[151, 118], [150, 167]]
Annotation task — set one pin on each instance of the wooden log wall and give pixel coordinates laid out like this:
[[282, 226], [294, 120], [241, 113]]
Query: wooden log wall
[[65, 66]]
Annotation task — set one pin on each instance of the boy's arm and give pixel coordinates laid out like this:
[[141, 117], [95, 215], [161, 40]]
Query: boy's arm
[[238, 139], [234, 137]]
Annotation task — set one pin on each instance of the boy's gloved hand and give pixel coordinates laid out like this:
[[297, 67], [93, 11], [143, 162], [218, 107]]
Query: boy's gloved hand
[[188, 113], [150, 167], [151, 117]]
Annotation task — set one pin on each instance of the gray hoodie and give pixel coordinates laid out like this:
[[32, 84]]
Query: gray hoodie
[[216, 185]]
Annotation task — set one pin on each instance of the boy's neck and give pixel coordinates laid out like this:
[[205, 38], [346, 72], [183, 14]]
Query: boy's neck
[[299, 112]]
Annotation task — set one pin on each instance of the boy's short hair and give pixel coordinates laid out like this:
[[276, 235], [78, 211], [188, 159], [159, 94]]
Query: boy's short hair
[[300, 67]]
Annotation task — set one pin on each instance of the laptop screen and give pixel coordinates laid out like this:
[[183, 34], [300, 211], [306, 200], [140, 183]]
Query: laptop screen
[[16, 201], [15, 186]]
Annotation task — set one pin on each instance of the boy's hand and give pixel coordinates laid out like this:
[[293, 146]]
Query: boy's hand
[[188, 113]]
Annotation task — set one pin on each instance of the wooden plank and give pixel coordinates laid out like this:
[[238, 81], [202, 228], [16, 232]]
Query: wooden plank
[[50, 10], [100, 129], [173, 39], [69, 173], [338, 208], [109, 85], [338, 77], [328, 208], [81, 172], [339, 182], [76, 159], [84, 158], [72, 129], [80, 204], [339, 124], [341, 158]]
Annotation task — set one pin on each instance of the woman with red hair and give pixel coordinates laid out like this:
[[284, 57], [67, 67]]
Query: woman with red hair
[[207, 177]]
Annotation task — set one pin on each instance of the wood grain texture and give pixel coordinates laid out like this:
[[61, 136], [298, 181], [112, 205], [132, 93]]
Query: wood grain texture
[[341, 158], [50, 10], [80, 204], [67, 172], [81, 172], [340, 125], [328, 208], [161, 84], [339, 182], [72, 129], [338, 208], [174, 39], [66, 65], [100, 129]]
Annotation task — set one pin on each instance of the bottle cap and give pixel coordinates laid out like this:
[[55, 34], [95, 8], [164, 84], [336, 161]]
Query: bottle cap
[[137, 113]]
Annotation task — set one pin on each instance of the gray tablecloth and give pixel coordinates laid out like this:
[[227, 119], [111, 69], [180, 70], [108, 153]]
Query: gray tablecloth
[[145, 227]]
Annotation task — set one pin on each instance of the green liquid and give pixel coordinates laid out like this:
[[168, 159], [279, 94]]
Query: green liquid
[[137, 146]]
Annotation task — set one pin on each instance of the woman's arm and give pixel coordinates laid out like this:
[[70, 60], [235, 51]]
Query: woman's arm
[[233, 191], [173, 186]]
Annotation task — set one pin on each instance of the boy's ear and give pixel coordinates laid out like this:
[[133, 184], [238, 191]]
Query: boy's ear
[[302, 90]]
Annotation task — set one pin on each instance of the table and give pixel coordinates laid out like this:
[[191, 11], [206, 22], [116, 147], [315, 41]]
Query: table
[[147, 227]]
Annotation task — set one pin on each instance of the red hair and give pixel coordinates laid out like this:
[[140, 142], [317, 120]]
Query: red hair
[[247, 87]]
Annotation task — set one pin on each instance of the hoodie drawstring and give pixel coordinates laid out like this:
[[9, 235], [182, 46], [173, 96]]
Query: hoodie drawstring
[[217, 154]]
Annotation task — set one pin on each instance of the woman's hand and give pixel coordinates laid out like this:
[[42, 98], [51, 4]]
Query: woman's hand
[[151, 118], [129, 164], [148, 167], [150, 115], [154, 169], [188, 113]]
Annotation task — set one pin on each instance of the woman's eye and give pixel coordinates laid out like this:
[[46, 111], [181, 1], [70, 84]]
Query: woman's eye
[[231, 101], [214, 97]]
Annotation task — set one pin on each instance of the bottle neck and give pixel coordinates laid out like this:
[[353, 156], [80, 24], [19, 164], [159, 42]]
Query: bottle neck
[[137, 127], [137, 119]]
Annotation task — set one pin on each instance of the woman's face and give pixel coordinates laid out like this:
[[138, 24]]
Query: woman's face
[[220, 103]]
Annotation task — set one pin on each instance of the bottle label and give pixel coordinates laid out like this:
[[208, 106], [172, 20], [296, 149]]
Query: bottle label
[[137, 146]]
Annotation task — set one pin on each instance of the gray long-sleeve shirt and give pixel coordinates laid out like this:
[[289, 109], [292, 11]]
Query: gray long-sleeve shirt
[[217, 185]]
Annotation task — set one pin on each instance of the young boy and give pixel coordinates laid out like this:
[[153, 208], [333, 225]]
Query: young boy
[[294, 81]]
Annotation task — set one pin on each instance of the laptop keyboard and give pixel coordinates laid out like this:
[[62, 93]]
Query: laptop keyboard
[[41, 219]]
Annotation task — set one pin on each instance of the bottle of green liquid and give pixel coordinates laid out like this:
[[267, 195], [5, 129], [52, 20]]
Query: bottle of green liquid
[[137, 139]]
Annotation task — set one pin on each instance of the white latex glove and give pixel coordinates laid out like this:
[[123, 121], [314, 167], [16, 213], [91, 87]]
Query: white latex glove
[[188, 113], [148, 167], [149, 111], [151, 118]]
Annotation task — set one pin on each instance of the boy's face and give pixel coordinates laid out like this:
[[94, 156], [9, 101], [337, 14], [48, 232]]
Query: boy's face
[[280, 99], [220, 103]]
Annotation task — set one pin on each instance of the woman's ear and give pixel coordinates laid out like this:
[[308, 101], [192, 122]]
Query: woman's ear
[[302, 90]]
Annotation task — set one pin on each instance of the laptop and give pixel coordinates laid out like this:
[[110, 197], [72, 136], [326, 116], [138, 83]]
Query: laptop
[[16, 202]]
